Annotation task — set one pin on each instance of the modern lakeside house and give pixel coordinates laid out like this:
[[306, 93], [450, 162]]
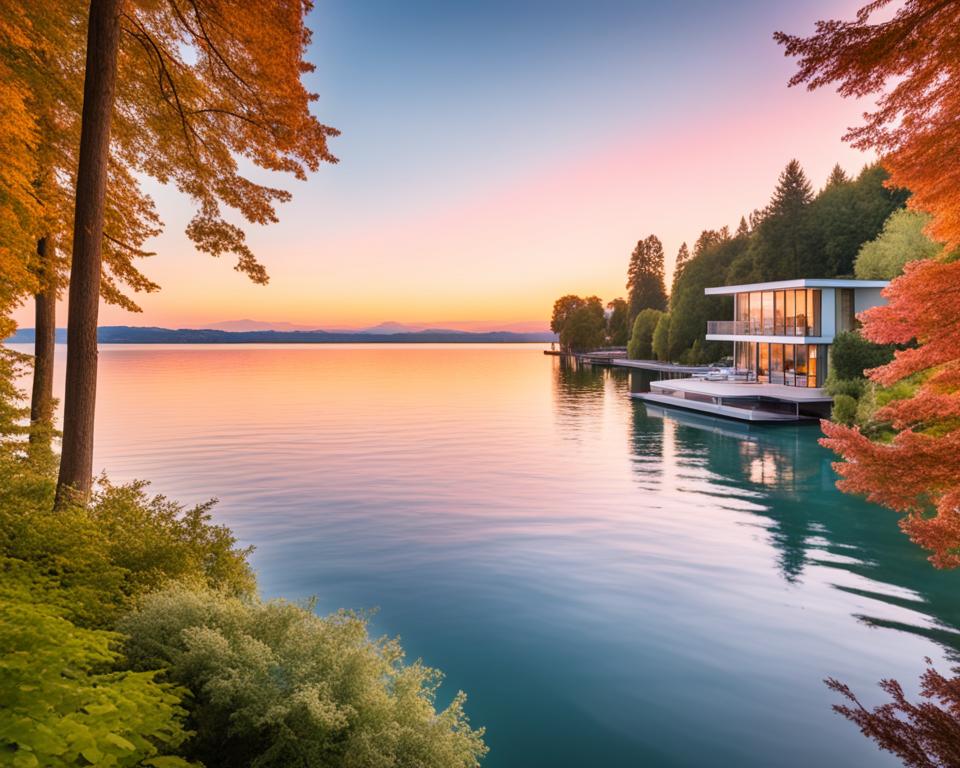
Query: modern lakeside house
[[781, 333]]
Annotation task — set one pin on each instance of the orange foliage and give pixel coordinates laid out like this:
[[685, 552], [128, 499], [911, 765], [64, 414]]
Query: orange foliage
[[201, 84], [918, 472], [913, 62]]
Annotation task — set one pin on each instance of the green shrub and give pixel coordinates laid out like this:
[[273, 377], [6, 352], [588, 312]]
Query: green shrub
[[852, 387], [851, 355], [122, 546], [641, 338], [844, 410], [274, 685], [62, 704], [661, 338]]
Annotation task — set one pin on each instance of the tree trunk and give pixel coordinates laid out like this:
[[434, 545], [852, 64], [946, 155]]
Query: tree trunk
[[99, 86], [45, 329]]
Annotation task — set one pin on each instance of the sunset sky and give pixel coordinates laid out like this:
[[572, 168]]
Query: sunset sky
[[495, 157]]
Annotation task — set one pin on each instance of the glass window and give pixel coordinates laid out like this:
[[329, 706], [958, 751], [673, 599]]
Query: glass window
[[776, 363], [791, 314], [812, 357], [801, 299], [801, 364], [763, 368], [813, 311], [767, 313], [755, 312], [779, 305], [789, 371], [743, 312], [846, 318]]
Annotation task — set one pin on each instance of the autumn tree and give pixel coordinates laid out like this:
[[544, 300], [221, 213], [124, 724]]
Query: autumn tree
[[51, 63], [924, 734], [917, 473], [618, 331], [209, 83], [909, 62], [645, 287]]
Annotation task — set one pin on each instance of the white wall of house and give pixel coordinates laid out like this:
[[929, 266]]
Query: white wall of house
[[864, 298], [828, 313]]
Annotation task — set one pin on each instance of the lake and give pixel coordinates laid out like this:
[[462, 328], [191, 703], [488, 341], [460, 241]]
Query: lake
[[612, 584]]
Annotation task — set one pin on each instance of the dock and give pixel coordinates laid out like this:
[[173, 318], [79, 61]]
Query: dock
[[769, 403]]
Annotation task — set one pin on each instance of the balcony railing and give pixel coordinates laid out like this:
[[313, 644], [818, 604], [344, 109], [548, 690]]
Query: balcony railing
[[753, 328]]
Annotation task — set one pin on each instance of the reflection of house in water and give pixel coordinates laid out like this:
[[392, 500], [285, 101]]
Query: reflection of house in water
[[784, 477]]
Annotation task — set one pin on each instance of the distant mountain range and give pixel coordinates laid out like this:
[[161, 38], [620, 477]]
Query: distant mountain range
[[389, 327], [129, 334]]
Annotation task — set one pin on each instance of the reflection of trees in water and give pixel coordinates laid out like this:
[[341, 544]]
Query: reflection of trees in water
[[787, 480], [579, 393]]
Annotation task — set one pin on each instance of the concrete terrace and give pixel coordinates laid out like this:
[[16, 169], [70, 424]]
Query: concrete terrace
[[740, 400]]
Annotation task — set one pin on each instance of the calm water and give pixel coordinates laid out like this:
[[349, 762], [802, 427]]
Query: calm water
[[612, 585]]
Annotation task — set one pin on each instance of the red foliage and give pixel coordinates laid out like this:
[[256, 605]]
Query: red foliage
[[922, 735], [918, 472]]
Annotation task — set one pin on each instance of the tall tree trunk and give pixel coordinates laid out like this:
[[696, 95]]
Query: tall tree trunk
[[99, 87], [45, 329]]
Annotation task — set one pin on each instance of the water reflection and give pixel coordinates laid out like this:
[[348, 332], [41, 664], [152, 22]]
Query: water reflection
[[783, 477]]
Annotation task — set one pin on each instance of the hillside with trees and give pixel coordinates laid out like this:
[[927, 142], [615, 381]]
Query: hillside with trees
[[799, 233]]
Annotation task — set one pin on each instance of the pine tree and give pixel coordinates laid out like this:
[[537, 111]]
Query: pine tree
[[683, 256], [837, 176], [743, 229], [645, 286], [793, 191]]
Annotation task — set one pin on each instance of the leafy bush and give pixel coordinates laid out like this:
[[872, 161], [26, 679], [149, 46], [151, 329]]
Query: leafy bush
[[901, 241], [276, 685], [123, 545], [641, 338], [853, 387], [62, 706], [661, 338], [844, 410], [851, 355]]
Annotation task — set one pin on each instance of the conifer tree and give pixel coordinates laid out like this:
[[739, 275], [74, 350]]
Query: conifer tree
[[779, 250], [645, 286], [837, 176], [743, 228], [683, 256]]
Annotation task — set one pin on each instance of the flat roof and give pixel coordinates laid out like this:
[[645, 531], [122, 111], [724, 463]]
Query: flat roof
[[805, 282]]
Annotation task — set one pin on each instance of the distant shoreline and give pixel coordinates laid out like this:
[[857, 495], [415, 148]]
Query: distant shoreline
[[125, 334]]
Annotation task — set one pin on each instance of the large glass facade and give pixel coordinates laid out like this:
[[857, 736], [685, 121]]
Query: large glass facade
[[794, 365], [778, 313]]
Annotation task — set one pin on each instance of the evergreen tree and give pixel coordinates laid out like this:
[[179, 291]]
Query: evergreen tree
[[793, 192], [778, 249], [837, 176], [645, 286], [690, 309], [683, 256], [844, 217], [743, 229]]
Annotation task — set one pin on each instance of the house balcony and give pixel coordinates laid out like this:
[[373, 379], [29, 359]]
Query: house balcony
[[751, 328]]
